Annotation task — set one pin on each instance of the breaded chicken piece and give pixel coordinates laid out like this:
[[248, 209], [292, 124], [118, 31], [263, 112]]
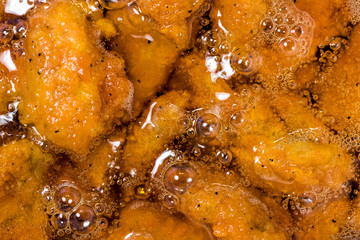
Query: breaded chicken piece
[[231, 211], [157, 126], [23, 170], [145, 220], [280, 146], [72, 90], [173, 17], [149, 55], [325, 223], [339, 93], [151, 35], [96, 165]]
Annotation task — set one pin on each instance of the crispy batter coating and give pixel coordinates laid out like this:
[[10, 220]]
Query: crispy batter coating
[[144, 220], [339, 93], [325, 223], [149, 55], [157, 126], [72, 90], [232, 212], [281, 146], [23, 169], [172, 17]]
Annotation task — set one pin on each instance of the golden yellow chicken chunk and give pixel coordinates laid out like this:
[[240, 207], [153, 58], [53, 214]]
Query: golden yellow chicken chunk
[[144, 220], [159, 125], [23, 171], [339, 91], [72, 90], [150, 36], [325, 223]]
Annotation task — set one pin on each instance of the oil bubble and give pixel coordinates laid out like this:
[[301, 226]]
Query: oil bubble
[[224, 156], [184, 122], [6, 33], [281, 31], [246, 63], [83, 220], [103, 223], [59, 221], [21, 29], [208, 125], [297, 31], [267, 25], [170, 201], [288, 46], [66, 198], [178, 178], [237, 119], [142, 191], [278, 19]]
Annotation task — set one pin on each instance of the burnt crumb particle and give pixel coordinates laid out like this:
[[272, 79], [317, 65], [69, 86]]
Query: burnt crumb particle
[[139, 81], [39, 72], [56, 131], [39, 54], [149, 41], [30, 59], [334, 221], [216, 193], [271, 160]]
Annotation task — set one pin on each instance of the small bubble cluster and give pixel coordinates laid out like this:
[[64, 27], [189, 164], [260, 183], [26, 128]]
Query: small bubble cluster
[[72, 212], [289, 27], [12, 35], [353, 7]]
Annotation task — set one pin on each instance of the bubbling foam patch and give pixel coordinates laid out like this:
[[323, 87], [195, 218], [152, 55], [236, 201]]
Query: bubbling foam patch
[[289, 27]]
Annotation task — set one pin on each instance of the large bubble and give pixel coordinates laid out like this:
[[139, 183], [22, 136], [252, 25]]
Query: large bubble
[[67, 198], [83, 220], [208, 125], [178, 179]]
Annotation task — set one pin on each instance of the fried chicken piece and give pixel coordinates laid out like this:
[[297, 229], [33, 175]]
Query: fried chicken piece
[[23, 169], [144, 220], [339, 92], [232, 211], [279, 145], [157, 126], [149, 55], [96, 165], [151, 35], [325, 223], [173, 17], [239, 21], [72, 90]]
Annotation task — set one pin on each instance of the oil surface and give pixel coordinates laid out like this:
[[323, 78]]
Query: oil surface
[[182, 120]]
